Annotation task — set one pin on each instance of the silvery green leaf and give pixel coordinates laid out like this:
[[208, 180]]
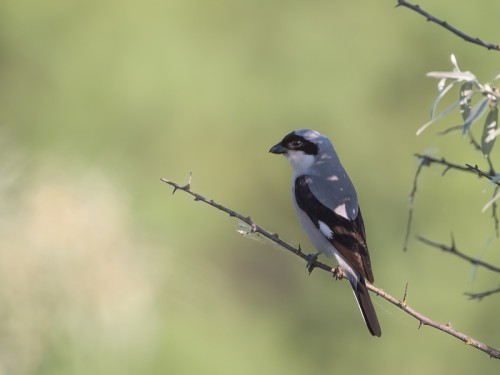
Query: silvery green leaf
[[441, 84], [496, 77], [490, 131], [440, 96], [465, 99], [440, 115], [495, 178], [454, 62], [476, 112], [459, 76], [490, 202]]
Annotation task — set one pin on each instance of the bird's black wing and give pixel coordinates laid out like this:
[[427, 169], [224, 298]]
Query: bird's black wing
[[348, 236]]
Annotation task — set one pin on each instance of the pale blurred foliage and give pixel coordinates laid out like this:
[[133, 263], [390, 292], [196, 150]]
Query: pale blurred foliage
[[72, 271]]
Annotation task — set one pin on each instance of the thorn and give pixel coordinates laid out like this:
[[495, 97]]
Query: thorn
[[420, 324], [298, 250], [175, 189], [403, 302], [188, 185], [311, 261]]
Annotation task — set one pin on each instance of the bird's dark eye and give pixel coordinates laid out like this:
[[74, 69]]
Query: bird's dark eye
[[297, 142]]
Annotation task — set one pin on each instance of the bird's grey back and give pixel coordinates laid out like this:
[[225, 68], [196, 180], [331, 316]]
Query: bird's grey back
[[329, 181]]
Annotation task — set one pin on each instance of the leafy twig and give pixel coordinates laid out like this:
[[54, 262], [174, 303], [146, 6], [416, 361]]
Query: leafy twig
[[422, 319], [477, 147], [447, 26]]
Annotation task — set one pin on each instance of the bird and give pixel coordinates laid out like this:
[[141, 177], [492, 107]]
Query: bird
[[327, 207]]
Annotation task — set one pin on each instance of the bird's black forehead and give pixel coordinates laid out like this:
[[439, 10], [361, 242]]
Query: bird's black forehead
[[297, 142]]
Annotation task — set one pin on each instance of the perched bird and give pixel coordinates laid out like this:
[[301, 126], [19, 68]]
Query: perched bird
[[327, 206]]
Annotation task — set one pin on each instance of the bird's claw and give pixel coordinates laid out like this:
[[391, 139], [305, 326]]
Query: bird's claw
[[311, 262], [338, 273]]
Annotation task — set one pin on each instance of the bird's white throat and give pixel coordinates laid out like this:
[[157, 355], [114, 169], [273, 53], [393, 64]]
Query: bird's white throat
[[300, 161]]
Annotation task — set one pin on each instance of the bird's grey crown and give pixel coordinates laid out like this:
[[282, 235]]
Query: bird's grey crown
[[309, 134]]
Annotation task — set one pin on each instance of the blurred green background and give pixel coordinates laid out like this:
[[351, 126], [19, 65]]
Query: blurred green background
[[103, 271]]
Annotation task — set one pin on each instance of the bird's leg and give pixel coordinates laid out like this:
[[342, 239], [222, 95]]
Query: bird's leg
[[338, 273], [311, 261]]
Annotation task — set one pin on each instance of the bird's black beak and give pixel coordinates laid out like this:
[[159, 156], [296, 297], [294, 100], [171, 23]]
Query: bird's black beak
[[278, 149]]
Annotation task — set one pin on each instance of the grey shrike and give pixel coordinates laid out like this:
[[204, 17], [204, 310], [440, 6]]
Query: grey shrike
[[327, 206]]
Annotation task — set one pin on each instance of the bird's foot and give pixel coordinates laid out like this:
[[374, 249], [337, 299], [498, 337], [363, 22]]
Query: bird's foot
[[311, 262], [338, 273]]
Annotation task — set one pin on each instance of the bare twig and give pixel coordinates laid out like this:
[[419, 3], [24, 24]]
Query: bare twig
[[429, 160], [452, 249], [481, 173], [480, 296], [254, 228], [423, 320], [477, 147], [494, 212], [422, 163], [447, 26], [426, 160]]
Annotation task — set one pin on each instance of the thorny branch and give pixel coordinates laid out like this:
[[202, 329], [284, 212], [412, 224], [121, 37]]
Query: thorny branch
[[480, 296], [447, 26], [426, 161], [477, 147], [422, 319], [452, 249], [411, 201]]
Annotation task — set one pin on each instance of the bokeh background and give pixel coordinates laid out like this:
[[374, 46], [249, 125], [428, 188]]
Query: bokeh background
[[104, 271]]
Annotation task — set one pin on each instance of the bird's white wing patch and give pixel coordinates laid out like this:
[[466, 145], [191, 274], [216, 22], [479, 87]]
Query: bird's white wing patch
[[341, 211], [325, 229]]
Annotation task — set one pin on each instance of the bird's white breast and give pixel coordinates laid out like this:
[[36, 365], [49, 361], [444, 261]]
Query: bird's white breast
[[319, 239]]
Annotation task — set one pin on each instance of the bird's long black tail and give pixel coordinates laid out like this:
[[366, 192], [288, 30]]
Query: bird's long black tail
[[366, 307]]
